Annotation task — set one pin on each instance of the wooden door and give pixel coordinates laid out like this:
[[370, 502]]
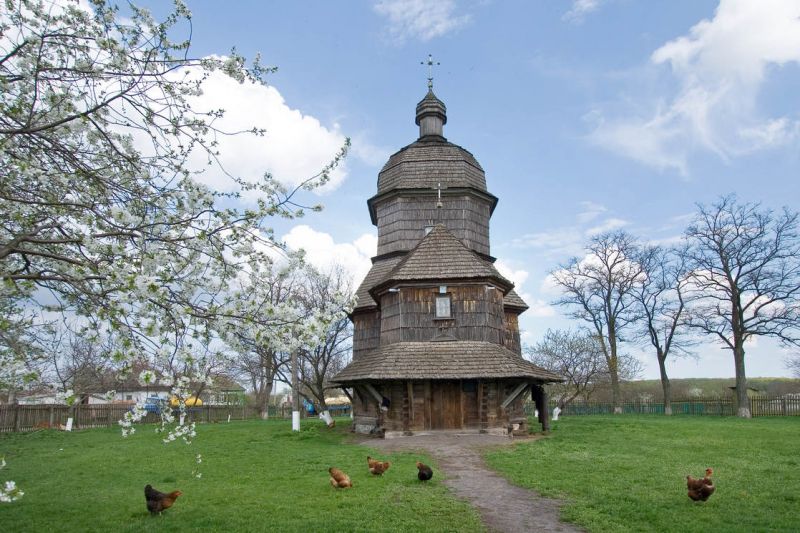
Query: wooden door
[[446, 412]]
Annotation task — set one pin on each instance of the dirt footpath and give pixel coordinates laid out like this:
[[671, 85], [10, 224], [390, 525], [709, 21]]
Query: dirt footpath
[[503, 507]]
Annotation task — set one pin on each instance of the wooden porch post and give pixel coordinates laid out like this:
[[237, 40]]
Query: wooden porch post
[[407, 399], [544, 413], [483, 406], [539, 397]]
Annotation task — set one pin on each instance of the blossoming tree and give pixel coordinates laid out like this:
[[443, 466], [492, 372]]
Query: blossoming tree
[[103, 216]]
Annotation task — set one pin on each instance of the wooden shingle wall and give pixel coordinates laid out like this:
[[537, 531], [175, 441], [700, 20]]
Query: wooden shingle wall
[[409, 315], [366, 332], [511, 329], [390, 318], [402, 221]]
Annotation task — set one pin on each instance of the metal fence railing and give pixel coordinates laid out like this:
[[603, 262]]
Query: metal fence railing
[[759, 406]]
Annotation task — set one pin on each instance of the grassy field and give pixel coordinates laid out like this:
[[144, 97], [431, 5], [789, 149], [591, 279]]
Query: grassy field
[[256, 476], [628, 473], [616, 473]]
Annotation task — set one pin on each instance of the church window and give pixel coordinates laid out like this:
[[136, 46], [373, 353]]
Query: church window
[[443, 307]]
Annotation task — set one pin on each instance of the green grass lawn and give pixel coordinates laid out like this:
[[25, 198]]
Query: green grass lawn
[[256, 476], [627, 473], [617, 474]]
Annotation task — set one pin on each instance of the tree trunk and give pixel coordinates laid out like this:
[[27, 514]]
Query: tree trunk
[[613, 368], [665, 385], [615, 395], [742, 401], [295, 394], [267, 395], [264, 393]]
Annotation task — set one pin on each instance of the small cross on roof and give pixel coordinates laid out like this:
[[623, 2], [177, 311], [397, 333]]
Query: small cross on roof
[[430, 62]]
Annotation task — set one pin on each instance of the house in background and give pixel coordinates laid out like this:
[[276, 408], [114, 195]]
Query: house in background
[[223, 391]]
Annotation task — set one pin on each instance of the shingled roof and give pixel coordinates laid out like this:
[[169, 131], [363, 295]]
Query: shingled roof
[[374, 276], [441, 256], [512, 299], [429, 161], [442, 360]]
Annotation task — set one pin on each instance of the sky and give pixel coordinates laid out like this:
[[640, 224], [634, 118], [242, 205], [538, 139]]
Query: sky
[[586, 115]]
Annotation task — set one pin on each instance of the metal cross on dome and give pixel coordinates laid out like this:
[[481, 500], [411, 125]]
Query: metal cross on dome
[[430, 62]]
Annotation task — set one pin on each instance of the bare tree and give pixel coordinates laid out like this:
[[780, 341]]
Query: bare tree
[[661, 300], [576, 356], [599, 289], [745, 274], [260, 366], [793, 364], [84, 364]]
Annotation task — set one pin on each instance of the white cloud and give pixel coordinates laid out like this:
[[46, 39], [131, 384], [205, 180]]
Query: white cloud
[[610, 224], [420, 19], [648, 141], [581, 8], [294, 148], [559, 242], [590, 211], [720, 67], [518, 277], [549, 286], [323, 252], [771, 133], [539, 308], [569, 240], [367, 152]]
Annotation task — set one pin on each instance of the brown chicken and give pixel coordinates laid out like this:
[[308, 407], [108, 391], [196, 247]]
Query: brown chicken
[[158, 501], [700, 489], [425, 472], [377, 467], [339, 479]]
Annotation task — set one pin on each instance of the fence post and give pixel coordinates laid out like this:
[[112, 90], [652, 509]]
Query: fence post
[[16, 417], [108, 415]]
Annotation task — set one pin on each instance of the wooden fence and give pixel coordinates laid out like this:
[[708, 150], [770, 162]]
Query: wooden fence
[[32, 417], [759, 406]]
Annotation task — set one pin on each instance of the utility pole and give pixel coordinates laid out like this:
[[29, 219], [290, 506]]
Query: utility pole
[[295, 394]]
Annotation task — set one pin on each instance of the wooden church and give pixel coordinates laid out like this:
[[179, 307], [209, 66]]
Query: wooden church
[[436, 342]]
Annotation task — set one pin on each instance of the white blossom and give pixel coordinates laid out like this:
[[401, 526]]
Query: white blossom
[[9, 492], [147, 377]]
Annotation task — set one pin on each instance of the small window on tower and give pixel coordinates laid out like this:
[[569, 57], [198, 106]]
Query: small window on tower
[[443, 307]]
